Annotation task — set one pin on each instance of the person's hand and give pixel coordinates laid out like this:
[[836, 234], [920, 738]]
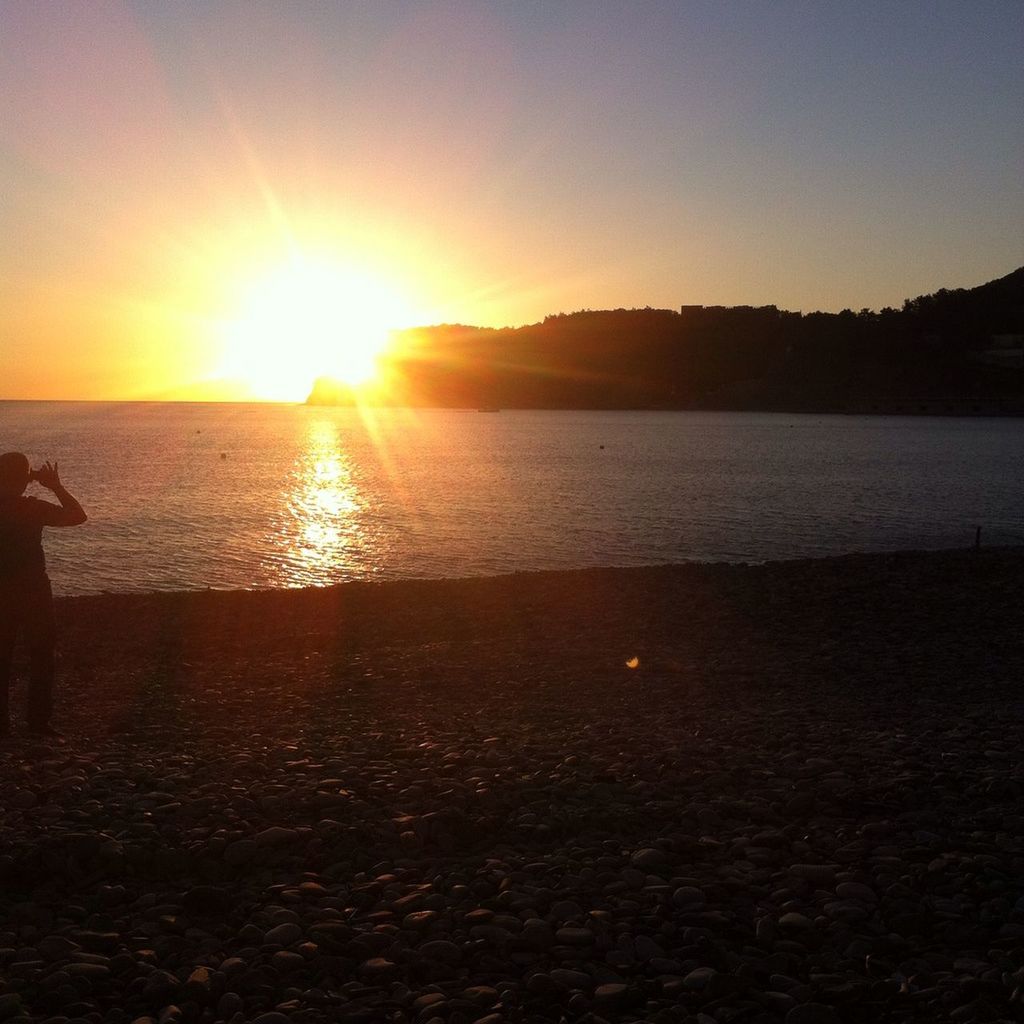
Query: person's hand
[[48, 476]]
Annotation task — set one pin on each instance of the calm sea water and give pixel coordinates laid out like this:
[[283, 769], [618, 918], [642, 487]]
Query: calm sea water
[[229, 496]]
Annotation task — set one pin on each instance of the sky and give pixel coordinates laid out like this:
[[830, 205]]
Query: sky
[[166, 167]]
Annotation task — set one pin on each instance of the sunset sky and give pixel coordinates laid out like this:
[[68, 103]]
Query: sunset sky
[[176, 177]]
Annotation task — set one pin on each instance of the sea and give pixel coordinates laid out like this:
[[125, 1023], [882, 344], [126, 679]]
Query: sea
[[189, 497]]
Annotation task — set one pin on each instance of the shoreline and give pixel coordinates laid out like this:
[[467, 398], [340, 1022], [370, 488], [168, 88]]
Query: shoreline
[[991, 550], [453, 800], [956, 407]]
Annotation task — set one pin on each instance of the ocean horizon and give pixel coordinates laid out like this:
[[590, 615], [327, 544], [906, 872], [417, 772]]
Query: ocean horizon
[[243, 496]]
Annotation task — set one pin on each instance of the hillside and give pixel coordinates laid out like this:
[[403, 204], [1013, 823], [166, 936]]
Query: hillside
[[933, 355]]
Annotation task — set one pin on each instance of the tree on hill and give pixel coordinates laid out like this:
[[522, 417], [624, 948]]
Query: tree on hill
[[721, 357]]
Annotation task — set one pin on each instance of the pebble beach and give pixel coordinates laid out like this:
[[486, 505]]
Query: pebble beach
[[787, 793]]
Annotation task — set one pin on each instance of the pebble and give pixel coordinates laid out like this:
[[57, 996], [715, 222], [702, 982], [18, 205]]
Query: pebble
[[482, 994], [688, 896], [794, 922], [283, 934], [10, 1004], [571, 979], [441, 949], [275, 836], [812, 1013], [856, 891], [327, 838], [575, 936], [649, 859], [820, 875], [240, 852], [699, 978]]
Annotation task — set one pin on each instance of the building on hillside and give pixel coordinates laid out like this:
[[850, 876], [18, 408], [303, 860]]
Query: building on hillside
[[1005, 350]]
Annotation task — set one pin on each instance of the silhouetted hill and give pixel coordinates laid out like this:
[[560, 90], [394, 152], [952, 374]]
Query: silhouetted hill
[[951, 351], [330, 392]]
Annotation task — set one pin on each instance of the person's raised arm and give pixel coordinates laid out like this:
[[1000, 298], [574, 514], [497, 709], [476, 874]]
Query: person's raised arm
[[70, 513]]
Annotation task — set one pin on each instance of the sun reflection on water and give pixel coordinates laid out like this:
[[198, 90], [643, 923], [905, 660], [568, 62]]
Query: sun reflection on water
[[325, 523]]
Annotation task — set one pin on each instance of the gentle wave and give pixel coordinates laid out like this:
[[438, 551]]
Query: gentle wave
[[185, 497]]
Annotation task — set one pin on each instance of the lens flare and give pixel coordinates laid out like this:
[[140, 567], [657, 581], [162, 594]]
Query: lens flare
[[308, 318]]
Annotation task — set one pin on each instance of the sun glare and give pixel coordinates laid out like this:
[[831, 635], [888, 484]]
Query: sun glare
[[310, 318]]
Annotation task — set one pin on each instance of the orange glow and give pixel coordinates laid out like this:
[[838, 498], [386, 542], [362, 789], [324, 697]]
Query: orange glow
[[325, 507], [309, 317]]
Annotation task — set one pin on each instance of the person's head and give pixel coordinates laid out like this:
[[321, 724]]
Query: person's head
[[15, 473]]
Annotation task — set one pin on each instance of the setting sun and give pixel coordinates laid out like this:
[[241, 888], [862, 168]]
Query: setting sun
[[307, 318]]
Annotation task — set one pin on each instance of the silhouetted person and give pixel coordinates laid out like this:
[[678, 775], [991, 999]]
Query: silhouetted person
[[26, 600]]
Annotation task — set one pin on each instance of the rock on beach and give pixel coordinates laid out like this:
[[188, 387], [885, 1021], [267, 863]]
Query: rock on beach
[[452, 802]]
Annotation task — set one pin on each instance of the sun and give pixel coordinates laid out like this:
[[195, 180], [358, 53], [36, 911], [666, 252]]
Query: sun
[[305, 318]]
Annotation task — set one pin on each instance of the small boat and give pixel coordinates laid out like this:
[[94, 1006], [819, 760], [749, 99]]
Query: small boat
[[488, 410]]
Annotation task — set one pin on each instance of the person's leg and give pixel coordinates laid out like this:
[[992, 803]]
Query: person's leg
[[9, 618], [5, 687], [41, 636]]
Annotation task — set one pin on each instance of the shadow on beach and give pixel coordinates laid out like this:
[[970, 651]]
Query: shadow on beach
[[456, 800]]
